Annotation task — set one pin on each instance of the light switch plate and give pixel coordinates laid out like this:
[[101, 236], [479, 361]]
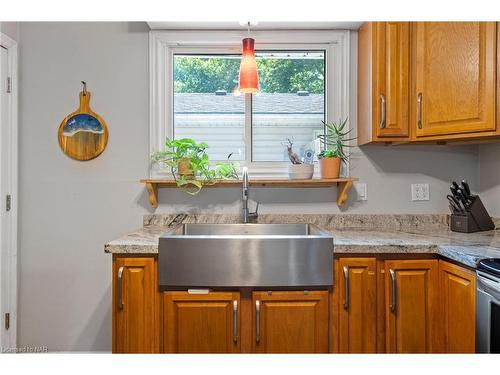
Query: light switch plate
[[419, 192], [361, 191]]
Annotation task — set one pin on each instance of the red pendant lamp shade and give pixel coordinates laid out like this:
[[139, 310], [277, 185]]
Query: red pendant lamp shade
[[249, 77]]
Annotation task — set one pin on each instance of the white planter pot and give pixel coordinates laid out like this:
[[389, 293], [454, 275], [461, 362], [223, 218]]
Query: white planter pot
[[301, 171]]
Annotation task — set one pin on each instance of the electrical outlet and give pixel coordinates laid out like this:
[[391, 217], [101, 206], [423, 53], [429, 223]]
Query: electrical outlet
[[361, 191], [419, 192]]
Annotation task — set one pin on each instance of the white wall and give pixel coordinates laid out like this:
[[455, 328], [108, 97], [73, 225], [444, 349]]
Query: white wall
[[69, 209], [489, 161], [11, 29]]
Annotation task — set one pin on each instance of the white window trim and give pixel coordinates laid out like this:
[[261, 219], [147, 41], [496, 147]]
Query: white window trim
[[163, 44]]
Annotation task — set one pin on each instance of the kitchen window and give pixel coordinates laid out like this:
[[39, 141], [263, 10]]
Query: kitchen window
[[194, 93]]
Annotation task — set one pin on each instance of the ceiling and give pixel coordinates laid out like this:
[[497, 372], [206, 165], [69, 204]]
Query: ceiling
[[170, 25]]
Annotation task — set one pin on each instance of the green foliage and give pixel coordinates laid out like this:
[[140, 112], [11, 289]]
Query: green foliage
[[291, 75], [334, 140], [193, 74], [205, 75], [178, 149], [203, 174]]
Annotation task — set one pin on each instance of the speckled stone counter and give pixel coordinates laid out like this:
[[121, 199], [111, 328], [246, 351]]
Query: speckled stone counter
[[353, 234]]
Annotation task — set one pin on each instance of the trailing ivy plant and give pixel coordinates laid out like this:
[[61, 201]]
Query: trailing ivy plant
[[201, 172], [335, 140]]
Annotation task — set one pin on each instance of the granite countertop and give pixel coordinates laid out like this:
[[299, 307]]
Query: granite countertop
[[429, 235]]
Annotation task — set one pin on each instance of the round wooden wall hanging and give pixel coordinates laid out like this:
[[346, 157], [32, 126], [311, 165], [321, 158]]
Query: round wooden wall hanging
[[83, 134]]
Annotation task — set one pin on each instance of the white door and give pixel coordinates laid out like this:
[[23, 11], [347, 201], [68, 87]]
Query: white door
[[8, 179], [3, 123], [3, 126]]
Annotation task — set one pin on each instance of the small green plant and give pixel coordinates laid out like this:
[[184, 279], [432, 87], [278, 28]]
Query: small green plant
[[200, 172], [335, 140]]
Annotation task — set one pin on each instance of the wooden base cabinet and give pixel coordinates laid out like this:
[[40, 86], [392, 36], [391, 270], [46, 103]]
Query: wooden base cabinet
[[357, 289], [136, 327], [201, 323], [412, 306], [290, 322], [458, 296], [377, 305]]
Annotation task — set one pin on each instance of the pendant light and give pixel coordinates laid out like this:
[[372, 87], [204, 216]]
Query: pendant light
[[249, 77]]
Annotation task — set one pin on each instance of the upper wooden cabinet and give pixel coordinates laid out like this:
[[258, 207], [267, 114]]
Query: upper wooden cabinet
[[427, 82], [357, 289], [454, 69], [383, 82], [201, 323], [412, 306], [458, 302], [136, 327], [290, 322]]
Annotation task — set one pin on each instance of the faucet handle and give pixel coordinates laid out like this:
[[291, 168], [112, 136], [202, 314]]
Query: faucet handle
[[254, 214]]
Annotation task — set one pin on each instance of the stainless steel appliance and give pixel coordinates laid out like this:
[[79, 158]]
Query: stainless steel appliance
[[245, 255], [488, 306]]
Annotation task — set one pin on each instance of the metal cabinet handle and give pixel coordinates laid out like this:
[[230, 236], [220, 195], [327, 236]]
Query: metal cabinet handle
[[235, 321], [346, 283], [257, 321], [419, 109], [382, 111], [119, 288], [393, 290]]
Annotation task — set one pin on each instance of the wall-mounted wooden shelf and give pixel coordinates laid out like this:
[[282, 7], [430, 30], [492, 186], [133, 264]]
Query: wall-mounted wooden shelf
[[343, 186]]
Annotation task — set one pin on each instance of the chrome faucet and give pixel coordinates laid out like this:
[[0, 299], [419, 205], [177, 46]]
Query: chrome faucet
[[247, 216]]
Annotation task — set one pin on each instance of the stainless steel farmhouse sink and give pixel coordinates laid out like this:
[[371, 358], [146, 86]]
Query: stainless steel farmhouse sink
[[245, 255]]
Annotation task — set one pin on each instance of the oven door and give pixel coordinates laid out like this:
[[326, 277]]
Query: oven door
[[488, 314]]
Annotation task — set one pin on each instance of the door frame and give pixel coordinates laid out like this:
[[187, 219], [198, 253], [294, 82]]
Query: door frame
[[8, 219]]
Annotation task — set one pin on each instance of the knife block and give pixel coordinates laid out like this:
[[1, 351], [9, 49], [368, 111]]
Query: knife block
[[475, 218]]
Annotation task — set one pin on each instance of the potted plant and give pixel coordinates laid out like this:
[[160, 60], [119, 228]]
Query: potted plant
[[298, 170], [334, 141], [190, 165]]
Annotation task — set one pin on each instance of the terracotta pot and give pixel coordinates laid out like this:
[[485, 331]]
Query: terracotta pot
[[184, 167], [329, 167]]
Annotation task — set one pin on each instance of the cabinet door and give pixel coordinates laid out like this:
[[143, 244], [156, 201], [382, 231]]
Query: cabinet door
[[412, 306], [458, 298], [290, 322], [391, 79], [201, 323], [358, 306], [455, 77], [136, 326]]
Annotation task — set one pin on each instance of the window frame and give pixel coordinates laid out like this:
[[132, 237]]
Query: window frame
[[164, 44]]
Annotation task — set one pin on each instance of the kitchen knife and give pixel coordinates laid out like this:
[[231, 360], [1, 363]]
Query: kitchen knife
[[453, 210], [454, 190], [455, 185], [462, 198], [455, 203], [466, 189]]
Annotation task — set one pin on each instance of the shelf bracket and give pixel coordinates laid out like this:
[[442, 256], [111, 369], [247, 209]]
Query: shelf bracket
[[343, 188], [153, 194]]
